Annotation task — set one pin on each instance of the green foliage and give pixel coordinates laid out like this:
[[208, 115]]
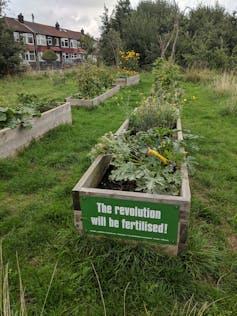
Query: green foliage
[[49, 55], [132, 164], [10, 51], [22, 116], [38, 104], [166, 74], [204, 36], [28, 106], [153, 113], [93, 80]]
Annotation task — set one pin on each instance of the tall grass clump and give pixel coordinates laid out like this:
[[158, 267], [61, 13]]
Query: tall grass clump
[[196, 75], [5, 304], [225, 84], [230, 107]]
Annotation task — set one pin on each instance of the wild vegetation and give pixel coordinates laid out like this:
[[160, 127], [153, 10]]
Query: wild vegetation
[[204, 36]]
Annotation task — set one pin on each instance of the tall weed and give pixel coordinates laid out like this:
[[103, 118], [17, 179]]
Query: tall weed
[[225, 83], [198, 75]]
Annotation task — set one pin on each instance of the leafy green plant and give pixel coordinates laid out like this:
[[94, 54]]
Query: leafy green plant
[[49, 55], [29, 106], [166, 74], [132, 163], [38, 104], [93, 80], [13, 117]]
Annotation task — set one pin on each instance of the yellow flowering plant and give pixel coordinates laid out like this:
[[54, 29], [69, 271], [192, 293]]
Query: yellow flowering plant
[[128, 63]]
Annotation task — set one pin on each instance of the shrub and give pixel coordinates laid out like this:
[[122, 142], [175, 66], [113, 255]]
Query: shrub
[[153, 113], [49, 55], [129, 60], [166, 74], [93, 80]]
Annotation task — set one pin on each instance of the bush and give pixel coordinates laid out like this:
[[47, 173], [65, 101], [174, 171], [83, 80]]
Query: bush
[[49, 55], [166, 74], [129, 60], [93, 80], [153, 113]]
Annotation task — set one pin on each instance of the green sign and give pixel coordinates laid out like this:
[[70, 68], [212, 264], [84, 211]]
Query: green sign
[[130, 219]]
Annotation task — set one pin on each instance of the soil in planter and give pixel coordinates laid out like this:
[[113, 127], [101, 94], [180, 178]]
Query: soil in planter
[[108, 184]]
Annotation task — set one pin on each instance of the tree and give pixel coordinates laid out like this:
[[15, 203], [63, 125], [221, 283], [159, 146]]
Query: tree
[[10, 51], [88, 43], [110, 42], [121, 17]]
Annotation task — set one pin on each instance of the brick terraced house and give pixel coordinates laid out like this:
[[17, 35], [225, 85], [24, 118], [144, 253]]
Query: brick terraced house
[[39, 37]]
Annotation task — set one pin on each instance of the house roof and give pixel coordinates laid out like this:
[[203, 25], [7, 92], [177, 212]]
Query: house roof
[[32, 27], [15, 25]]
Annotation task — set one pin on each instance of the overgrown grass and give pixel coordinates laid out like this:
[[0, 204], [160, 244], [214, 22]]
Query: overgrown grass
[[198, 75], [225, 83], [52, 86], [98, 277]]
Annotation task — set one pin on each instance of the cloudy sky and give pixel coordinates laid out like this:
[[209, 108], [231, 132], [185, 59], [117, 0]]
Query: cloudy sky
[[78, 14]]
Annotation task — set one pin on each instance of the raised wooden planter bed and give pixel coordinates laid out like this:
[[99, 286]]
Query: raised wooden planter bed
[[12, 140], [93, 102], [161, 220], [128, 81]]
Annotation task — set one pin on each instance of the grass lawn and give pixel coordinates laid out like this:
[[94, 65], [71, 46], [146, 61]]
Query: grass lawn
[[36, 221], [49, 85]]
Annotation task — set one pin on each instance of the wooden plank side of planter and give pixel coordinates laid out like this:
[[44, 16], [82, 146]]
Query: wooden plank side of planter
[[96, 101], [128, 81], [12, 140]]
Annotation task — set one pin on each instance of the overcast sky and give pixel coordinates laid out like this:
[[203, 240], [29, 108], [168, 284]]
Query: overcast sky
[[78, 14]]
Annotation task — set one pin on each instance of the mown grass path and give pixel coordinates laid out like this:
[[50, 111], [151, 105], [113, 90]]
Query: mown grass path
[[37, 221]]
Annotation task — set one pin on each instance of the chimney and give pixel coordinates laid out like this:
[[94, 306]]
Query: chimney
[[82, 31], [57, 26], [33, 18], [21, 18]]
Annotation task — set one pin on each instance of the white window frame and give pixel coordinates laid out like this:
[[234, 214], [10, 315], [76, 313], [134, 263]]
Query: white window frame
[[64, 41], [49, 41], [29, 56], [73, 43], [28, 38], [41, 40]]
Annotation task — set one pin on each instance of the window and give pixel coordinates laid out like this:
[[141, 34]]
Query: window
[[30, 56], [78, 44], [16, 36], [49, 41], [64, 42], [41, 40], [56, 41], [28, 38], [73, 44]]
